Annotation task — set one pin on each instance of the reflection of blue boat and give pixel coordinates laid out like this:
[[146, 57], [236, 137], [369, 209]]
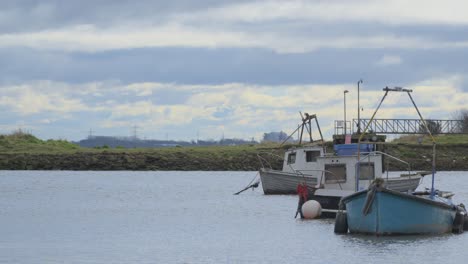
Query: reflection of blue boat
[[381, 211]]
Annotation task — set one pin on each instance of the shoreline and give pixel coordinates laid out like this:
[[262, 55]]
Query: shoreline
[[450, 157]]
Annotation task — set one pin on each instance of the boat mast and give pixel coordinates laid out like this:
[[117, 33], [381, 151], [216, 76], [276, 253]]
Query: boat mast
[[360, 138], [433, 145], [408, 91], [307, 123]]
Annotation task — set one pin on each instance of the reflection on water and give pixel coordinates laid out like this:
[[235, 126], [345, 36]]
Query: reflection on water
[[187, 217], [383, 241]]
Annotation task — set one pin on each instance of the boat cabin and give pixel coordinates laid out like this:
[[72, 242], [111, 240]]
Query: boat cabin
[[333, 171], [303, 159], [339, 172]]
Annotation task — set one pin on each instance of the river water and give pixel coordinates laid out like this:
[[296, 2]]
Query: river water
[[188, 217]]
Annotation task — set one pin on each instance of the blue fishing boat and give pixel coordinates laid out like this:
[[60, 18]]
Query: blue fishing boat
[[380, 211]]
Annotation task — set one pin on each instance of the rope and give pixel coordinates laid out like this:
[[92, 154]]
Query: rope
[[250, 185], [371, 196]]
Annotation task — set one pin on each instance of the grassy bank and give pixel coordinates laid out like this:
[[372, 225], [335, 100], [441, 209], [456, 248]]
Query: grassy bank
[[26, 152]]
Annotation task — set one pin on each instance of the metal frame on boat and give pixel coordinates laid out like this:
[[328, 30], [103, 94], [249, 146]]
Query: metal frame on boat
[[381, 211]]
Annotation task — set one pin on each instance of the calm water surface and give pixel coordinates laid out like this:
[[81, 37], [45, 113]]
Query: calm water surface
[[187, 217]]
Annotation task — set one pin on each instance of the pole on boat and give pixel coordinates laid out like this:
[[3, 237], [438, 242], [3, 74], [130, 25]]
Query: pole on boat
[[358, 109], [433, 169], [301, 127], [308, 125], [310, 131], [321, 136], [408, 91], [433, 144], [345, 128], [360, 138]]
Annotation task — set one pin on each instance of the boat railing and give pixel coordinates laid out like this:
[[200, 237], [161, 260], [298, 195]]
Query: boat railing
[[275, 155], [299, 173], [397, 159], [264, 161], [367, 154]]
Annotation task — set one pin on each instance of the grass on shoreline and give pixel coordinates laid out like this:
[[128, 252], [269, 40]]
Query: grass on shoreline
[[19, 142], [440, 139], [24, 151]]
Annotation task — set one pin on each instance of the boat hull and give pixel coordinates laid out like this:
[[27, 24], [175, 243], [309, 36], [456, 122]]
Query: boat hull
[[394, 213], [278, 182]]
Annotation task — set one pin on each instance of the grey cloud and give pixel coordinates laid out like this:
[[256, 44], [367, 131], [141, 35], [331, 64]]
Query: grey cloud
[[217, 66], [32, 15]]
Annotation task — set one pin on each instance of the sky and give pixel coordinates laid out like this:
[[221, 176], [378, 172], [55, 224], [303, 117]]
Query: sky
[[186, 69]]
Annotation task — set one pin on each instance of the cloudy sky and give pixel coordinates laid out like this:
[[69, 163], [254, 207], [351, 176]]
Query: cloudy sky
[[181, 67]]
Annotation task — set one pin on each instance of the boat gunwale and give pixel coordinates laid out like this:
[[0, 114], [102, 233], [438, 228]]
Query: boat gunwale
[[301, 175], [441, 204]]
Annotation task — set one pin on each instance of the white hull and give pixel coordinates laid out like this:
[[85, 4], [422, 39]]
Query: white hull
[[278, 182]]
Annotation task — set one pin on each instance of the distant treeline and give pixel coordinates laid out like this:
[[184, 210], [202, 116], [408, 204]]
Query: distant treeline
[[133, 142], [116, 142]]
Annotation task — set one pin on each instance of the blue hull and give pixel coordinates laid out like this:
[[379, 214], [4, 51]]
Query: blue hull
[[393, 213]]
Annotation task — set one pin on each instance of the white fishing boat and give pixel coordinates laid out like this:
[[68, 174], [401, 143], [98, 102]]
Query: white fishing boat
[[309, 165]]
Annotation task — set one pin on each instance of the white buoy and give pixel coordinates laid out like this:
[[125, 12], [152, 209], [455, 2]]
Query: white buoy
[[311, 209]]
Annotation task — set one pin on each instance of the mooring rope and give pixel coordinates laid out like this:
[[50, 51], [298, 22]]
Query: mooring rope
[[250, 184]]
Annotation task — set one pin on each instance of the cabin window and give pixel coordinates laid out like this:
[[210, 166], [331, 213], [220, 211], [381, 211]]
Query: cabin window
[[292, 158], [366, 171], [335, 173], [311, 156]]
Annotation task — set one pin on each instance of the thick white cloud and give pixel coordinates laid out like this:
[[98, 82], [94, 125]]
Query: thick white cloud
[[91, 39], [257, 25], [26, 100], [241, 110], [384, 11]]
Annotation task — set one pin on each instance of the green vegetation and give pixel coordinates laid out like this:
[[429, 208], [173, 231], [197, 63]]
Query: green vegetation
[[24, 151], [452, 151], [440, 139], [20, 151], [20, 142]]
